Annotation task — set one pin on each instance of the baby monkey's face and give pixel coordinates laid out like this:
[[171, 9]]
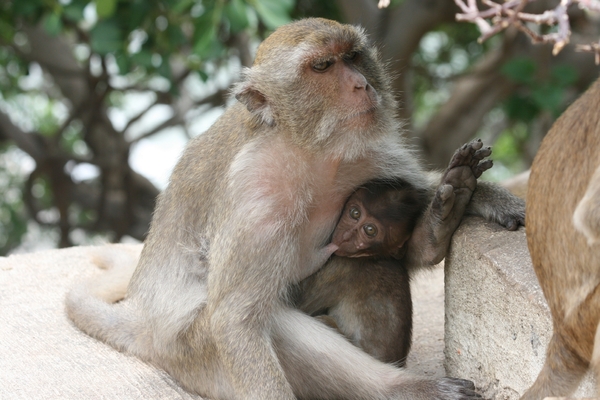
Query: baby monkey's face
[[360, 234]]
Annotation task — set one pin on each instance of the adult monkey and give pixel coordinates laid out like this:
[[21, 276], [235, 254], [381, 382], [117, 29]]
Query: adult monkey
[[264, 186]]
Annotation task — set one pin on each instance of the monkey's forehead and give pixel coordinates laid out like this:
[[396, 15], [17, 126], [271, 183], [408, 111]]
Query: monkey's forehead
[[329, 37]]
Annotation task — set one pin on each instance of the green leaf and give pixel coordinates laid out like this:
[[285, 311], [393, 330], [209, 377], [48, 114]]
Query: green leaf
[[237, 14], [564, 75], [205, 33], [182, 6], [548, 97], [203, 76], [175, 35], [106, 37], [52, 24], [123, 62], [164, 69], [519, 70], [143, 58], [274, 13], [26, 7], [74, 11], [521, 108], [105, 8], [139, 10]]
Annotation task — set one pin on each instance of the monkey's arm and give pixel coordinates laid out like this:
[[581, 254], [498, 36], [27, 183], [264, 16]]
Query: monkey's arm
[[431, 237], [587, 214]]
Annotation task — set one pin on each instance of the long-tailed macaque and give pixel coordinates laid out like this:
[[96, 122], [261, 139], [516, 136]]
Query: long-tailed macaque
[[389, 230], [563, 209], [249, 211]]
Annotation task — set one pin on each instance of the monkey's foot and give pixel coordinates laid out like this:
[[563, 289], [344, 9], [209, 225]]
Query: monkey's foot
[[460, 180], [469, 157], [453, 388], [446, 389], [431, 237]]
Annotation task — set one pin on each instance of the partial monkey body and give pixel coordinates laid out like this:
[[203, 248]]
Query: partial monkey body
[[248, 213], [563, 214]]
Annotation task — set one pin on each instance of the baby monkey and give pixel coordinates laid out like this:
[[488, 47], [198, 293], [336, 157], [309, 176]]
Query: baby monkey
[[388, 229], [378, 219]]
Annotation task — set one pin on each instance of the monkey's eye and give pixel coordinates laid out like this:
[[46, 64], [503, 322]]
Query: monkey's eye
[[354, 213], [370, 230], [322, 66], [351, 56]]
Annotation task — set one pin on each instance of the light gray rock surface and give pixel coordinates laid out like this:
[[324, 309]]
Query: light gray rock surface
[[498, 324], [43, 356]]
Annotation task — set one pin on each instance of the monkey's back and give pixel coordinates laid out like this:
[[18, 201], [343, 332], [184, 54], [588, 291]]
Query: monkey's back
[[567, 268]]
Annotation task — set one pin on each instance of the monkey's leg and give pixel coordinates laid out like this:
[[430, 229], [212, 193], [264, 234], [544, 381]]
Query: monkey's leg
[[561, 373], [319, 363], [429, 242], [586, 218], [569, 352], [368, 301], [595, 363]]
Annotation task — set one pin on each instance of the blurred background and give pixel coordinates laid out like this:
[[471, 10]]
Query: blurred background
[[98, 98]]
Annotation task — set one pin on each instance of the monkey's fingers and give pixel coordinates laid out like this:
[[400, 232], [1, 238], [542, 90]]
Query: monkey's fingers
[[462, 388], [482, 167]]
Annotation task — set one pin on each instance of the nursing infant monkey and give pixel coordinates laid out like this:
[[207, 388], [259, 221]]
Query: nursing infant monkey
[[563, 232], [249, 213], [389, 229]]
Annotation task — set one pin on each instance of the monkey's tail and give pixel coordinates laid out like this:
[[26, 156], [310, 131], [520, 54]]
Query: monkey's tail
[[94, 307]]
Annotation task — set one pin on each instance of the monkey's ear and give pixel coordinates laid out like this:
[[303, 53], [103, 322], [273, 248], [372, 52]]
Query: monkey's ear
[[255, 101]]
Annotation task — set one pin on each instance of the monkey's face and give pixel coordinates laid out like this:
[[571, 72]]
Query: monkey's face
[[359, 234], [318, 80]]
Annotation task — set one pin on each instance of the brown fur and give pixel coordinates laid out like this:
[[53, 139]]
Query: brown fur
[[248, 212], [567, 267], [367, 299]]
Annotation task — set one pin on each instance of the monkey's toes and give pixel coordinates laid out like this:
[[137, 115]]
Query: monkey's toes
[[469, 154], [482, 167], [512, 223], [457, 389], [482, 153]]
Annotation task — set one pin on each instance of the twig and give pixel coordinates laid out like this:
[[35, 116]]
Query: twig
[[499, 16]]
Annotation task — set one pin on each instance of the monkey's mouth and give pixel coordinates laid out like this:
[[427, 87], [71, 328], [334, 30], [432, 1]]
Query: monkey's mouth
[[359, 114]]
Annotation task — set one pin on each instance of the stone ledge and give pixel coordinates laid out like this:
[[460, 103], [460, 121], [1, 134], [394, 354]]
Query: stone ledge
[[43, 356], [497, 322]]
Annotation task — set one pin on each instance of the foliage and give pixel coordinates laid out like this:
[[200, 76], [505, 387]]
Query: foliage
[[126, 46], [131, 60], [537, 93], [13, 218]]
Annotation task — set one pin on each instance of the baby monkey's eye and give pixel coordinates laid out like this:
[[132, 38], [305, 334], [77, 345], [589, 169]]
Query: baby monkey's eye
[[354, 213], [370, 230], [322, 66]]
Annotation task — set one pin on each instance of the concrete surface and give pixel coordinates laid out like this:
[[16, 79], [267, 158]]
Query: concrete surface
[[43, 356], [497, 322], [497, 325]]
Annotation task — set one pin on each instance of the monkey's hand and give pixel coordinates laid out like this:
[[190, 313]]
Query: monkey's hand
[[431, 237]]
